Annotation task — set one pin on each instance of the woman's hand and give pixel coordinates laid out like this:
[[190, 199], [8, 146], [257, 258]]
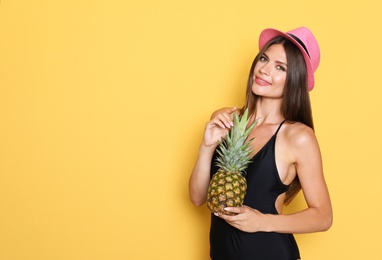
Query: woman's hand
[[219, 125], [226, 113], [246, 219]]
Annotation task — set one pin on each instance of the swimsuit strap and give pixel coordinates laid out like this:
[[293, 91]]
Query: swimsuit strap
[[280, 126]]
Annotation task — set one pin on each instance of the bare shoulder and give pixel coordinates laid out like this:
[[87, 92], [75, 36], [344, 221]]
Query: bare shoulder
[[299, 135], [297, 146]]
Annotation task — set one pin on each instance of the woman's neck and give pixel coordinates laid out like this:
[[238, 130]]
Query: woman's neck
[[268, 111]]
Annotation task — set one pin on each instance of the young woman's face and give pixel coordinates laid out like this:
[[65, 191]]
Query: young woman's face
[[270, 73]]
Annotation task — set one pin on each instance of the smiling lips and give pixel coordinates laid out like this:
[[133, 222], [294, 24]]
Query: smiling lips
[[261, 82]]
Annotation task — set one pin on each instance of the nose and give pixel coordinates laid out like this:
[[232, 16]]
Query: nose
[[265, 69]]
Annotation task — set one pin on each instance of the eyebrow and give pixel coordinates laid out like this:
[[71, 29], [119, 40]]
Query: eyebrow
[[285, 64], [279, 62]]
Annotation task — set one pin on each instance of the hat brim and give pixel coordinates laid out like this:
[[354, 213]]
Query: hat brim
[[268, 34]]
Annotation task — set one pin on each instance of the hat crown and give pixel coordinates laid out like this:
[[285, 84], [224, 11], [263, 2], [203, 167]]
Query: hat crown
[[309, 43]]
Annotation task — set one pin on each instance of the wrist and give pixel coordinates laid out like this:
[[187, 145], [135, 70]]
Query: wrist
[[267, 223], [208, 147]]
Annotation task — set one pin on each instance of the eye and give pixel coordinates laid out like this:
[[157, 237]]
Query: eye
[[263, 58], [282, 68]]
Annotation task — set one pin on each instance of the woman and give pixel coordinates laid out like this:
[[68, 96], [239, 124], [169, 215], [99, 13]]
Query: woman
[[286, 155]]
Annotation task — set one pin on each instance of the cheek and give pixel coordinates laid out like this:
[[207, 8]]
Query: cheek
[[280, 79]]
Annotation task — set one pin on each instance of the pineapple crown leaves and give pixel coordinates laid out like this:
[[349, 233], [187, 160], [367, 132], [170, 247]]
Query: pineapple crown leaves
[[234, 151]]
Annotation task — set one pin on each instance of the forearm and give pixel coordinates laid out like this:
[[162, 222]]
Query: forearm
[[306, 221], [200, 177]]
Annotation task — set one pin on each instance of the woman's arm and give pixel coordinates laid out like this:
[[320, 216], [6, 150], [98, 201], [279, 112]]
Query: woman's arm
[[317, 216], [215, 129], [200, 176]]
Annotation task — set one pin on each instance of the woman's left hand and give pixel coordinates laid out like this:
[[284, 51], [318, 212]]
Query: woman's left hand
[[246, 219]]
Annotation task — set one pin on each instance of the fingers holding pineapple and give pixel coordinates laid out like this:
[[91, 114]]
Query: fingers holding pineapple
[[217, 128], [219, 125], [213, 133], [226, 115], [243, 218]]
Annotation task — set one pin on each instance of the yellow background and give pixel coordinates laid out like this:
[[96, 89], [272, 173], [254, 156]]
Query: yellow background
[[102, 110]]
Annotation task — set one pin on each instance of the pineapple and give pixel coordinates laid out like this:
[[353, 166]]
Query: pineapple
[[228, 185]]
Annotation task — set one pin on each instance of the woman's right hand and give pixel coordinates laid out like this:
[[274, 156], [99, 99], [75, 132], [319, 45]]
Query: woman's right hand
[[219, 125]]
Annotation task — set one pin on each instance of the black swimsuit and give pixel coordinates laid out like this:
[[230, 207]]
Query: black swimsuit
[[264, 186]]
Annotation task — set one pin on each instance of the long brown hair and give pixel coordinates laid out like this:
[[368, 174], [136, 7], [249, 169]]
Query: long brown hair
[[296, 102]]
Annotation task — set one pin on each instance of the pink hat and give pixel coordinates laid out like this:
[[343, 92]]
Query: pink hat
[[305, 41]]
